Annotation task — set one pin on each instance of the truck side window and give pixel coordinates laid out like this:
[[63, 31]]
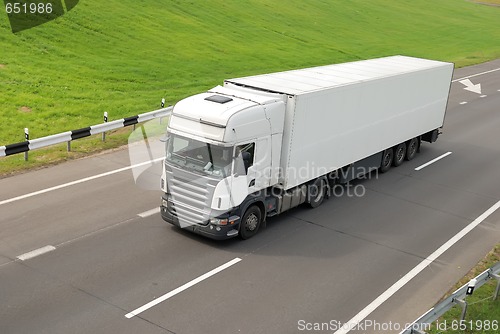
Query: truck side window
[[247, 154]]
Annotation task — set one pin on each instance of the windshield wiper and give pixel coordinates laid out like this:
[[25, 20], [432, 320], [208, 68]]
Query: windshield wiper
[[210, 156]]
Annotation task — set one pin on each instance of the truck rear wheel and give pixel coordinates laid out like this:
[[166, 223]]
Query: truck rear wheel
[[250, 223], [316, 193], [387, 158], [399, 154], [411, 149]]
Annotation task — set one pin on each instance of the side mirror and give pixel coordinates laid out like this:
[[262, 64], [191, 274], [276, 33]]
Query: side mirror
[[247, 160]]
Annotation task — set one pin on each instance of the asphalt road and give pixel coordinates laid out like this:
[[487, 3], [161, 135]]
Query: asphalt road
[[307, 266]]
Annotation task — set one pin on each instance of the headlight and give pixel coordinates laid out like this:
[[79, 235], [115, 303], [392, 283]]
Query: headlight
[[224, 221], [218, 221]]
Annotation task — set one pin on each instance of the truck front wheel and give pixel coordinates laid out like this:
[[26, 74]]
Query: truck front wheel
[[250, 223]]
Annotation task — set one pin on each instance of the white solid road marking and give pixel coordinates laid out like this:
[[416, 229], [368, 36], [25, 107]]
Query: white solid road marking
[[433, 161], [36, 252], [149, 212], [351, 324], [475, 75], [72, 183], [182, 288]]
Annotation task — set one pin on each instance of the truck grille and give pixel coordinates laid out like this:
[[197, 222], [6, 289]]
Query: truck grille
[[191, 195]]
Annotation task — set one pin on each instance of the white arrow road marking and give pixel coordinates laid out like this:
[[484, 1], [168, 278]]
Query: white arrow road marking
[[471, 87]]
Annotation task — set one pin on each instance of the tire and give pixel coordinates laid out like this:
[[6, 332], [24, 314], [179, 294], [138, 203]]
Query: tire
[[316, 193], [411, 149], [387, 158], [249, 225], [399, 155]]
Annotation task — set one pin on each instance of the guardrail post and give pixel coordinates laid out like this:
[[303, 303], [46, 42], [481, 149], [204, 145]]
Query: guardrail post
[[105, 121], [463, 304], [163, 106], [497, 277], [27, 137], [68, 146]]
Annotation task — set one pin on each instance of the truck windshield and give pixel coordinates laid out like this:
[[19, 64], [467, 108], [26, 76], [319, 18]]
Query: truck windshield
[[199, 156]]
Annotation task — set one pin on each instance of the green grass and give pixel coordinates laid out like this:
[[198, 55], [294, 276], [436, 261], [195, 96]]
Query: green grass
[[494, 2], [124, 56], [482, 308]]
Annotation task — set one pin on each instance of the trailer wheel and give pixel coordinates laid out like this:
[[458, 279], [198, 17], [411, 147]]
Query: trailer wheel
[[316, 193], [399, 155], [411, 149], [387, 158], [250, 223]]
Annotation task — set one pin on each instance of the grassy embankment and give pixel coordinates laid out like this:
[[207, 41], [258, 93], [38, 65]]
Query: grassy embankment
[[493, 2], [124, 56]]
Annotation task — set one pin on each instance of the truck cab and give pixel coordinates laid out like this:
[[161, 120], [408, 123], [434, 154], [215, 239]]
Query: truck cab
[[220, 160]]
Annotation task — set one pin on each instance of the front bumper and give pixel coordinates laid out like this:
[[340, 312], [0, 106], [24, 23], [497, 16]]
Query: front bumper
[[210, 231]]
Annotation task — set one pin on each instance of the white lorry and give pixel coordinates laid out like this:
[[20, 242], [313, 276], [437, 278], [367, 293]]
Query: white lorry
[[260, 145]]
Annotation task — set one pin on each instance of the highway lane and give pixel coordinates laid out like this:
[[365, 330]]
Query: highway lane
[[317, 265], [71, 212]]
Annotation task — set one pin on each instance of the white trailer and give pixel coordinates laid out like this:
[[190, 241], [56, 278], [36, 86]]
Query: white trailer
[[261, 145]]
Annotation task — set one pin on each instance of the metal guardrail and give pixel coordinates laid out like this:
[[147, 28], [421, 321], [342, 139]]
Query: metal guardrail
[[456, 298], [68, 136]]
